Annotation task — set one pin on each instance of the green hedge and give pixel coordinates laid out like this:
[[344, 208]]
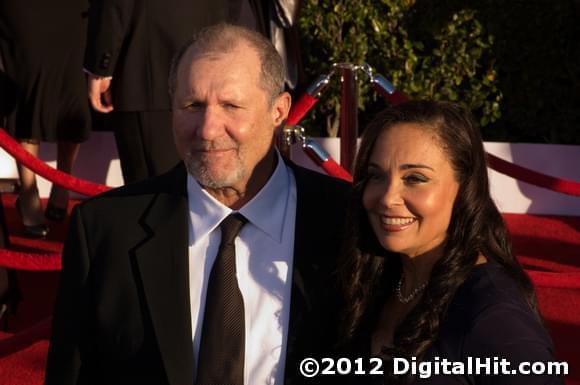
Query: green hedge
[[515, 64]]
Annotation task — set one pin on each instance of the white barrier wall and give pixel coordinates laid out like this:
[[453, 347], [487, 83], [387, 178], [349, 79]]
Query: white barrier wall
[[98, 162]]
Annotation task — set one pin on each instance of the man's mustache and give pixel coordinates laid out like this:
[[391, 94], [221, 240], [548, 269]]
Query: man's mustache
[[214, 146]]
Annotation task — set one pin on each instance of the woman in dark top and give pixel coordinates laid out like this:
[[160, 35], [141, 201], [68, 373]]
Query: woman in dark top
[[43, 96], [428, 272]]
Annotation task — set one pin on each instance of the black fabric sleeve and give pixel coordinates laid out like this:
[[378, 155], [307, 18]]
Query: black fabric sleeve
[[109, 23]]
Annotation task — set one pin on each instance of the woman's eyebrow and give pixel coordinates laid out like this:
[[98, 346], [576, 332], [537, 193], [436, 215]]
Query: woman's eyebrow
[[407, 166]]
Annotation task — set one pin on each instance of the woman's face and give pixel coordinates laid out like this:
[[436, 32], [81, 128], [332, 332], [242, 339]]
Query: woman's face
[[410, 190]]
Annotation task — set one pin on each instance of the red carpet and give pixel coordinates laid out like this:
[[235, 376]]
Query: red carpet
[[542, 243], [548, 243]]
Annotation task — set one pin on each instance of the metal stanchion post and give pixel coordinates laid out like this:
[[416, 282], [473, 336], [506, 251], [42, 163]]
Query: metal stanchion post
[[282, 145], [384, 87], [296, 134], [301, 107], [348, 114]]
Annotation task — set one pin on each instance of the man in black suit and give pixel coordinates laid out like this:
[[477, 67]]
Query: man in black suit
[[137, 260], [129, 49]]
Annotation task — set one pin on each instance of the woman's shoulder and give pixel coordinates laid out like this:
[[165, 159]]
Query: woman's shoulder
[[490, 315], [487, 287]]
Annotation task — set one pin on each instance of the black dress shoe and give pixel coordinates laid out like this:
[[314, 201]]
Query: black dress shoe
[[32, 231], [54, 213]]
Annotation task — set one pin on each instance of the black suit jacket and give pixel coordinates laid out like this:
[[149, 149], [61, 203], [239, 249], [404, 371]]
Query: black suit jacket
[[123, 314], [135, 40]]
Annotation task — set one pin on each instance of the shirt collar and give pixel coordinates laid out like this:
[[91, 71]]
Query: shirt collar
[[266, 210]]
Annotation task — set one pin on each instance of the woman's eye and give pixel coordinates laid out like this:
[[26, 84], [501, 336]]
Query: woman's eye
[[415, 179], [374, 176]]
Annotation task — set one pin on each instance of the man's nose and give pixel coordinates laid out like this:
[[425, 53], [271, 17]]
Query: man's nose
[[211, 124]]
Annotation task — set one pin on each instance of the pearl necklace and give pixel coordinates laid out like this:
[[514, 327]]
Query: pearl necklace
[[412, 295]]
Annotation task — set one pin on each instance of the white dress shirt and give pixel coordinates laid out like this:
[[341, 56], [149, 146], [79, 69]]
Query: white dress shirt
[[264, 255]]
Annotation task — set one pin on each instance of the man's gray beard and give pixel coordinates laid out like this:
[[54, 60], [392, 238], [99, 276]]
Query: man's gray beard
[[198, 169]]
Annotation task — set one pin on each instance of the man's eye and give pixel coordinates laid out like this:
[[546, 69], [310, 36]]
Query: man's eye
[[194, 106]]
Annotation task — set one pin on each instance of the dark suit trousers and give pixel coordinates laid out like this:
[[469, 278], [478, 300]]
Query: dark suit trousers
[[144, 143]]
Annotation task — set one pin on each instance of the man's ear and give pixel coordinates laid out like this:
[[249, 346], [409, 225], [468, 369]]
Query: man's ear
[[281, 108]]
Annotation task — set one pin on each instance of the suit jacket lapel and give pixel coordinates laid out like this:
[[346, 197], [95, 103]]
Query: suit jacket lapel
[[163, 263]]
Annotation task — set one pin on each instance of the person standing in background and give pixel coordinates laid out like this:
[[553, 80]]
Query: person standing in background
[[43, 97]]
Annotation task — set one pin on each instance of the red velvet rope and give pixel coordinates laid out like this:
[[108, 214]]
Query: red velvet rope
[[301, 108], [30, 261], [333, 168], [60, 178], [17, 342], [330, 167], [533, 177]]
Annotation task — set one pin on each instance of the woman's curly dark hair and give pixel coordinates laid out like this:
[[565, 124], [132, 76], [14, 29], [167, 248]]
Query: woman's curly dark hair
[[368, 273]]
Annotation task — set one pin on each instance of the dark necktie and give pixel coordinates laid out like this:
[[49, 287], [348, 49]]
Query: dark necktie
[[221, 352]]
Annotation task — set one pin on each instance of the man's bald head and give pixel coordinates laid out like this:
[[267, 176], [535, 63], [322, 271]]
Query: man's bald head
[[224, 38]]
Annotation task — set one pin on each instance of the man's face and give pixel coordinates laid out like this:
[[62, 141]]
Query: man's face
[[223, 120]]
